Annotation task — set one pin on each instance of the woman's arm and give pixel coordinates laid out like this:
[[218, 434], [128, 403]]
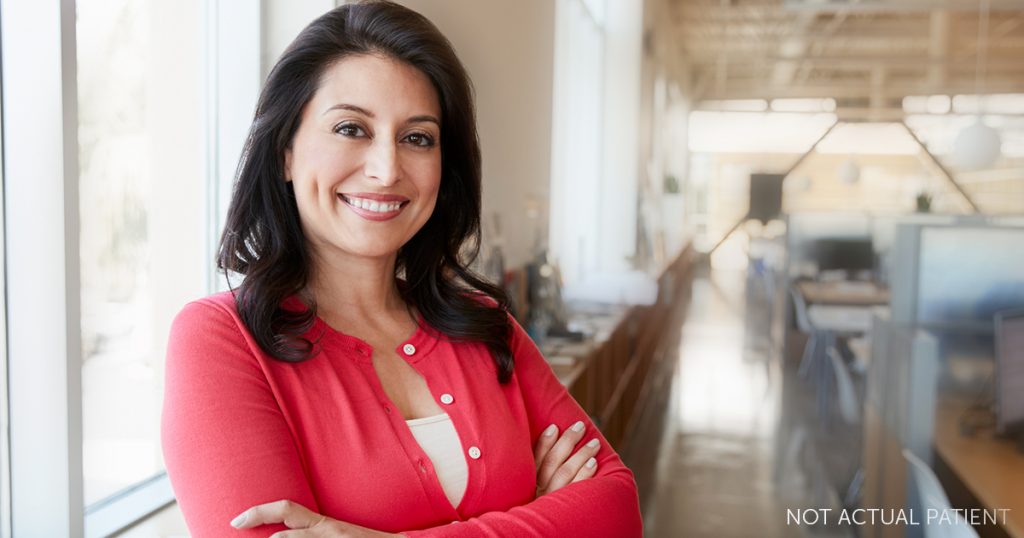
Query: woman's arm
[[604, 505], [226, 443]]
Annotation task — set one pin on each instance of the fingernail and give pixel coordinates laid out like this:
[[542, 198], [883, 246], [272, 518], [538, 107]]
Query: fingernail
[[550, 431], [591, 463], [239, 520], [593, 443], [578, 427]]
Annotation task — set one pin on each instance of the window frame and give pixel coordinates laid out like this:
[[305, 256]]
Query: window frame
[[5, 444], [44, 339]]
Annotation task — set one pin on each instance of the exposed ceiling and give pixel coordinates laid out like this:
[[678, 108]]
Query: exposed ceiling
[[867, 54]]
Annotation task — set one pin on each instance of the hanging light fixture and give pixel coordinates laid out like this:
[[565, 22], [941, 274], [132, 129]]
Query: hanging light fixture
[[978, 145], [849, 171]]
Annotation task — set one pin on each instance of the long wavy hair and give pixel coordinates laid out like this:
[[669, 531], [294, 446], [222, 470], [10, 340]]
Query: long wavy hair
[[263, 238]]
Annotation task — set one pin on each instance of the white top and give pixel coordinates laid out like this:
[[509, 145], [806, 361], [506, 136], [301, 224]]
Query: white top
[[440, 441]]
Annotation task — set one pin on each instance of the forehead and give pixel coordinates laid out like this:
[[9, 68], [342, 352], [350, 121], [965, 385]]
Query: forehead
[[380, 84]]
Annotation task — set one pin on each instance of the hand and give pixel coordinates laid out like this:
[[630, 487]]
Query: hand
[[309, 523], [557, 466]]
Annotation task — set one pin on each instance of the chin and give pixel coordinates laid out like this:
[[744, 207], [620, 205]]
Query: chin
[[373, 251]]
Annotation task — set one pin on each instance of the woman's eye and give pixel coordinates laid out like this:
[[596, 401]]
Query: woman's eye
[[349, 129], [421, 140]]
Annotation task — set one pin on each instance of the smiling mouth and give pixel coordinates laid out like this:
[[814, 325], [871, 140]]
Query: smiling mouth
[[373, 206]]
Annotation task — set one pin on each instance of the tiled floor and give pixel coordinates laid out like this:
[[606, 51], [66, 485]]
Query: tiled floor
[[715, 475]]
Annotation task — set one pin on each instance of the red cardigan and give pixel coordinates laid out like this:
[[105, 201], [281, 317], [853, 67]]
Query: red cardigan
[[240, 429]]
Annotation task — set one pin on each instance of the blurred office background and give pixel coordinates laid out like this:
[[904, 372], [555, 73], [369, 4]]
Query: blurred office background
[[774, 247]]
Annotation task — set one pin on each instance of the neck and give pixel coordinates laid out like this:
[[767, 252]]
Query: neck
[[354, 287]]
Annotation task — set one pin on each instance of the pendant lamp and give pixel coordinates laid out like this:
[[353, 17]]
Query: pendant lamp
[[978, 145]]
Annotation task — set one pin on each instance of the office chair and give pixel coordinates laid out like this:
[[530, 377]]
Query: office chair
[[803, 322], [931, 496], [850, 412], [849, 407]]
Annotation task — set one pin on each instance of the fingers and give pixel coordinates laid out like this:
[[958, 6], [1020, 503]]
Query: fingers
[[559, 454], [587, 471], [568, 471], [544, 444], [293, 515]]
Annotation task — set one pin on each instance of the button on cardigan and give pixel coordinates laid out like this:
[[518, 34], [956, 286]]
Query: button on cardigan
[[240, 428]]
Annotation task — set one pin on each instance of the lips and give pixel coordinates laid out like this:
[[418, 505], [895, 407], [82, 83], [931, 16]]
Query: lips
[[373, 206]]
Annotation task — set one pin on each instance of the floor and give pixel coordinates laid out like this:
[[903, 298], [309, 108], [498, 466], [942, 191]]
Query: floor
[[716, 473]]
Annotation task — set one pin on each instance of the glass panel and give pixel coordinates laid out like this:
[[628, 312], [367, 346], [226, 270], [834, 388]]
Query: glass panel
[[969, 274], [596, 8], [143, 220]]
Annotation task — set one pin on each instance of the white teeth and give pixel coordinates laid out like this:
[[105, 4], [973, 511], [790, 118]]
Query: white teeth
[[371, 205]]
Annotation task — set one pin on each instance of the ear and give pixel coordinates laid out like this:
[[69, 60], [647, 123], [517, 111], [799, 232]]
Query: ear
[[288, 164]]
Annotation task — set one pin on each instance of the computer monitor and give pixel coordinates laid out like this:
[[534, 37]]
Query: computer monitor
[[849, 254], [1009, 375]]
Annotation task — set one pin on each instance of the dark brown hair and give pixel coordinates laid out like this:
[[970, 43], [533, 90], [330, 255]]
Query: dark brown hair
[[263, 238]]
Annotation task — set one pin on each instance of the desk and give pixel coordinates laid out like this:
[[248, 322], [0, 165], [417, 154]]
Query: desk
[[617, 373], [569, 359], [843, 306], [844, 293], [991, 468], [844, 319]]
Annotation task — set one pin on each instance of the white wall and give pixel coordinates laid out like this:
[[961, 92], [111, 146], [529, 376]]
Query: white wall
[[508, 49], [282, 21]]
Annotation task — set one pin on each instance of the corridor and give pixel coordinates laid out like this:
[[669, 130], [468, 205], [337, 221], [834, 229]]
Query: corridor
[[715, 473]]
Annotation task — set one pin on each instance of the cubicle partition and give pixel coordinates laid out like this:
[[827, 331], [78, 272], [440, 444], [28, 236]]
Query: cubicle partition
[[930, 384], [899, 411], [804, 230], [957, 277], [807, 232], [929, 347]]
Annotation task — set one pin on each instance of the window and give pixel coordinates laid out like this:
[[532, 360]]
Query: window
[[142, 217], [577, 136], [161, 122], [596, 144]]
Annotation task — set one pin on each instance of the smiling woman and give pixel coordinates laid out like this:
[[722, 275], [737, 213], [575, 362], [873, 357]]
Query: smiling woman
[[360, 380]]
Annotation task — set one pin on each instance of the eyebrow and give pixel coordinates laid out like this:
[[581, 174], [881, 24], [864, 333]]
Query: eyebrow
[[360, 110]]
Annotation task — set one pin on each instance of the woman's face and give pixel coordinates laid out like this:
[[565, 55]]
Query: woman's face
[[365, 162]]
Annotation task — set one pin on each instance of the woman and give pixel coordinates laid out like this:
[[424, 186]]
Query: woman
[[361, 381]]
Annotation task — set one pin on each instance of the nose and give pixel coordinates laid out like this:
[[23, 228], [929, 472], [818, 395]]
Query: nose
[[382, 162]]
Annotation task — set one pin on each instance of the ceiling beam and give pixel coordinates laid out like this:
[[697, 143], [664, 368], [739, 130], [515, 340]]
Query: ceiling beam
[[938, 48], [763, 90], [1001, 62], [900, 6]]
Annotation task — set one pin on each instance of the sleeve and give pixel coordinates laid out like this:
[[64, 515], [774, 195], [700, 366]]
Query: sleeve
[[603, 505], [226, 444]]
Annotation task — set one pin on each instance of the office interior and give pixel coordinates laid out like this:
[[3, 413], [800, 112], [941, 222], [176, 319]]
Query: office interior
[[775, 248]]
